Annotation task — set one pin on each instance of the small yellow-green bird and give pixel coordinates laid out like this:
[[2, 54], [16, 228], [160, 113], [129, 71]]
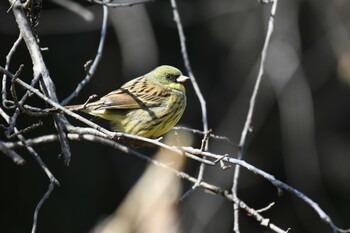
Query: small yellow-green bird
[[147, 106]]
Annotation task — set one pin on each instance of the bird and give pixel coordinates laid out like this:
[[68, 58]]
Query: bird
[[147, 106]]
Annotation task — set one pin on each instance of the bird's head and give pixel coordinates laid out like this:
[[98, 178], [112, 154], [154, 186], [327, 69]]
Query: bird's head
[[169, 76]]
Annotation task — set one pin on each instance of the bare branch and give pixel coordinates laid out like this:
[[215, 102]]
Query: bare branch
[[26, 130], [5, 101], [40, 203], [248, 122]]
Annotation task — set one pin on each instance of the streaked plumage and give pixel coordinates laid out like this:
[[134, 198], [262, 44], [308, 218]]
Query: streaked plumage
[[147, 106]]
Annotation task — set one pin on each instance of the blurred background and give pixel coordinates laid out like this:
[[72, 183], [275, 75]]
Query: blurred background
[[301, 122]]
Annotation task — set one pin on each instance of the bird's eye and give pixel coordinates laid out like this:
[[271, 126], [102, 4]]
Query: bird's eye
[[172, 77]]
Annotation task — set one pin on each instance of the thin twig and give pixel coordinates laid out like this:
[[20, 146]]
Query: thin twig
[[182, 38], [26, 130], [5, 101], [205, 140], [16, 158], [213, 136], [40, 203], [91, 97], [120, 4], [196, 185], [201, 99], [266, 207], [97, 59], [248, 122]]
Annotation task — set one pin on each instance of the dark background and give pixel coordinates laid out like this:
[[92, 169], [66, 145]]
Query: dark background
[[301, 120]]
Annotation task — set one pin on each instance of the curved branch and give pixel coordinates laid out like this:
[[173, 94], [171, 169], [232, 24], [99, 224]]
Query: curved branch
[[97, 59], [40, 203], [248, 122]]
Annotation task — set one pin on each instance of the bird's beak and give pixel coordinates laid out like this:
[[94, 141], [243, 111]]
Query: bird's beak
[[182, 79]]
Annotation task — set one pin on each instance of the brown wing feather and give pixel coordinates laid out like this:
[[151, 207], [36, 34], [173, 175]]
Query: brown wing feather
[[120, 99], [137, 93]]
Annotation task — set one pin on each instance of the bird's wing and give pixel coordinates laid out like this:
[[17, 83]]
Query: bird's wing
[[135, 94]]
